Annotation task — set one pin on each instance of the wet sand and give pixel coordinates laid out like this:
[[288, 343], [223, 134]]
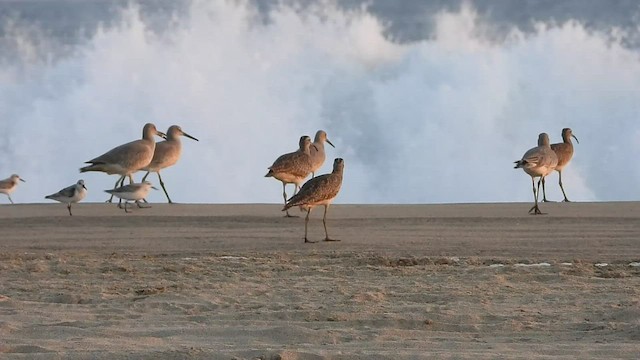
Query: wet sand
[[237, 281]]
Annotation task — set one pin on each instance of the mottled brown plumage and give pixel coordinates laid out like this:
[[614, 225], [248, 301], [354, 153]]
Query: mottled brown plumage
[[564, 152], [320, 190], [292, 168]]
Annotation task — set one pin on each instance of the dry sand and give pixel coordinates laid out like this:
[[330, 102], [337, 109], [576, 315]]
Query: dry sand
[[237, 282]]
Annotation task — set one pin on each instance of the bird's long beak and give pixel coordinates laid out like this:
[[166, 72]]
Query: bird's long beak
[[154, 188], [84, 187], [329, 142], [573, 136], [189, 136], [23, 180], [161, 134]]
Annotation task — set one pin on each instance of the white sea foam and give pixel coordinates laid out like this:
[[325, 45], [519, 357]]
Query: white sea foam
[[439, 120], [542, 264]]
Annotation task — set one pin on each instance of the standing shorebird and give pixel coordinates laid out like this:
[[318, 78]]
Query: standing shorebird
[[292, 168], [318, 191], [70, 194], [317, 151], [128, 158], [564, 151], [8, 185], [539, 161], [166, 154], [135, 192]]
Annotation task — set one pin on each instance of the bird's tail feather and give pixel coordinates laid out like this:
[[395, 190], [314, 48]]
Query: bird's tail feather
[[92, 167]]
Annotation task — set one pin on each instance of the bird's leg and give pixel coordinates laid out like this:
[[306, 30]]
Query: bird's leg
[[69, 208], [313, 174], [143, 179], [284, 194], [10, 199], [324, 221], [125, 206], [562, 188], [535, 197], [306, 222], [122, 184], [544, 191], [535, 208], [140, 205], [163, 188], [115, 186]]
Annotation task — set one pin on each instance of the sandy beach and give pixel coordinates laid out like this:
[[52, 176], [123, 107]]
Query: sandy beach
[[463, 281]]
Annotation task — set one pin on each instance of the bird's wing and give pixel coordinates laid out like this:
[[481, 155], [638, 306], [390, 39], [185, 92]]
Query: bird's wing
[[296, 163], [68, 192], [317, 189], [127, 154], [6, 184], [127, 188]]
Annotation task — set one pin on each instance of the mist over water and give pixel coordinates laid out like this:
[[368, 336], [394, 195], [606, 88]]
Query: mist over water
[[437, 120]]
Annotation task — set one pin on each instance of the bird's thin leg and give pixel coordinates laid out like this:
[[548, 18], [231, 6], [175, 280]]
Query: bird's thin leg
[[535, 208], [122, 184], [69, 208], [10, 199], [306, 222], [562, 188], [115, 186], [535, 197], [143, 179], [544, 191], [284, 195], [324, 221], [140, 205], [125, 206], [163, 188]]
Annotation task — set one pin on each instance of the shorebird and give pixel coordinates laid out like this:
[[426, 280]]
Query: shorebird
[[166, 154], [318, 191], [317, 151], [8, 185], [70, 194], [135, 192], [292, 168], [128, 158], [539, 161], [564, 151]]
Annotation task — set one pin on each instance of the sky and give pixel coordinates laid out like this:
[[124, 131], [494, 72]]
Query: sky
[[429, 113]]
